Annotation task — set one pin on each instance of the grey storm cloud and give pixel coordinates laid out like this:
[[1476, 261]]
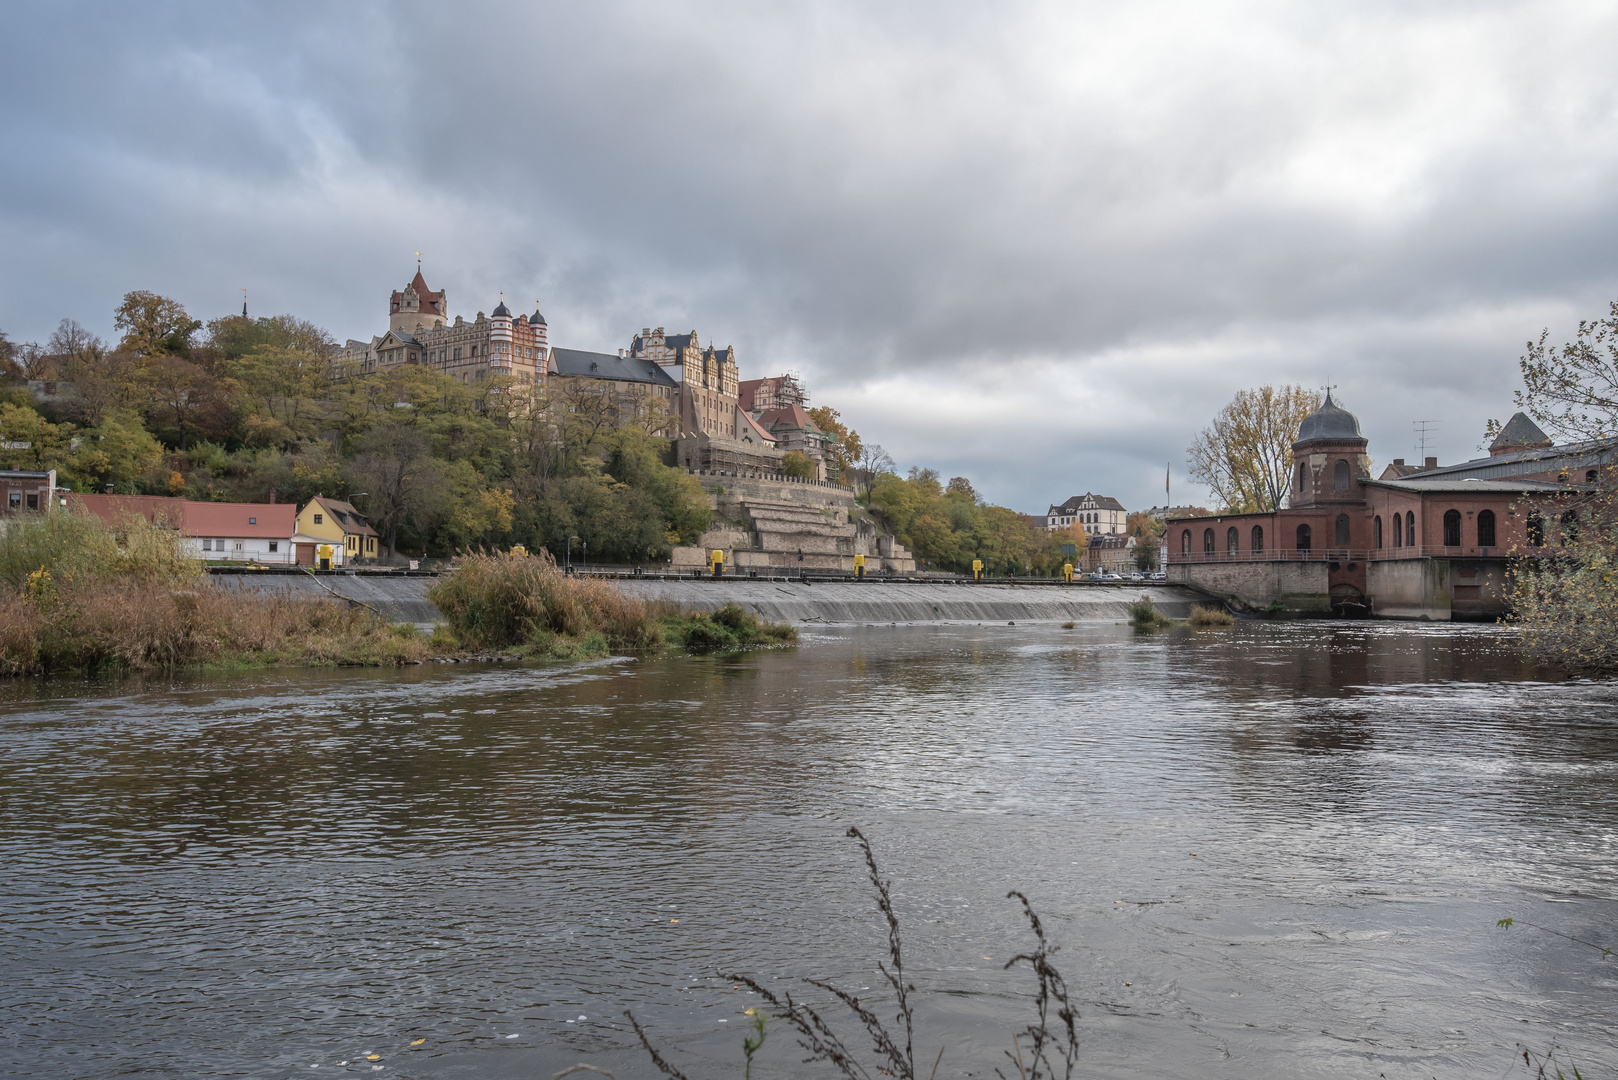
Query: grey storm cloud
[[1035, 244]]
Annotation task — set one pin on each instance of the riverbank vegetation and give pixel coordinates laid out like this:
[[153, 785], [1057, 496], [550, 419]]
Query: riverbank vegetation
[[1144, 616], [1564, 597], [77, 596], [949, 525], [525, 605]]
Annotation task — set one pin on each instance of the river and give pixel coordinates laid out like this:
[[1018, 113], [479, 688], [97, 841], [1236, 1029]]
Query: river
[[1274, 851]]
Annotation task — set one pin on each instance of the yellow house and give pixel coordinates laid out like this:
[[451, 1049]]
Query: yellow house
[[331, 521]]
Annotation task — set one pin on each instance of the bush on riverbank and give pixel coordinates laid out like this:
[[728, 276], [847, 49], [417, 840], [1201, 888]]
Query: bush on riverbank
[[524, 603], [1143, 615], [1566, 604], [98, 599], [1210, 616]]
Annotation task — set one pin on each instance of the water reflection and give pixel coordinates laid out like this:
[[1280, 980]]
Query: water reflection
[[1274, 850]]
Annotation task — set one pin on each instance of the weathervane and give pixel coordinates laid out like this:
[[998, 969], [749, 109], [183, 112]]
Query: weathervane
[[418, 260]]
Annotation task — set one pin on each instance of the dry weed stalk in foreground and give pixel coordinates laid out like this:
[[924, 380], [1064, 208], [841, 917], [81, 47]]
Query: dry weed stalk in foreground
[[893, 1051]]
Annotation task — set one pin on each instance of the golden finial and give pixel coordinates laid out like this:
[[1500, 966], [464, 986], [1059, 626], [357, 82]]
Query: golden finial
[[418, 260]]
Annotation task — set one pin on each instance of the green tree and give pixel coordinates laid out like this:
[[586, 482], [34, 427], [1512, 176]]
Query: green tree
[[845, 448], [154, 325], [800, 465]]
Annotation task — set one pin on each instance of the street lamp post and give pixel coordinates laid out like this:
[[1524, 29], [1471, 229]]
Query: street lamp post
[[570, 553]]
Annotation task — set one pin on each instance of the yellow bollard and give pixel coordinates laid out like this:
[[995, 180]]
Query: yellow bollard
[[977, 569], [324, 554], [1067, 572], [718, 560], [859, 566], [518, 550]]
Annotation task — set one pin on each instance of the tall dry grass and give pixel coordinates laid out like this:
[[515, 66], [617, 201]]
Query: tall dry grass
[[504, 601], [77, 596]]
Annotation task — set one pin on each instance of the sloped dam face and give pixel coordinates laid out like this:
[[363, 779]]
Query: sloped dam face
[[890, 602], [404, 599]]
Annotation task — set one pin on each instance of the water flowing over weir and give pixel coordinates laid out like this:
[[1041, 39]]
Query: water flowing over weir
[[404, 599], [893, 602]]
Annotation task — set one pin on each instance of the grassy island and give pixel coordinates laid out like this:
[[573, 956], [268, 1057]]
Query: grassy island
[[78, 596]]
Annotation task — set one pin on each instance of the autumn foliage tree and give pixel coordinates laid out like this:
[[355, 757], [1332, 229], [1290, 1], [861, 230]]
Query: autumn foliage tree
[[1245, 455]]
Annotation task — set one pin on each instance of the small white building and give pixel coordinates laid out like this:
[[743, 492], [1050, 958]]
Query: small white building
[[214, 532]]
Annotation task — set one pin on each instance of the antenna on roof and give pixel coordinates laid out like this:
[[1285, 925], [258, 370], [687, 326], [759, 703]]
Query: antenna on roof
[[1422, 428]]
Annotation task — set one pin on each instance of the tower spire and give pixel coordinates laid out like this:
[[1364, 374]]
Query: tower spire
[[244, 303]]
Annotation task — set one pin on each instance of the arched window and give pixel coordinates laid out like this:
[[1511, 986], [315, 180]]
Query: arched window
[[1303, 538], [1342, 528], [1300, 475], [1485, 528], [1452, 528], [1536, 530], [1232, 540], [1398, 530], [1377, 531], [1410, 528], [1339, 475], [1207, 541], [1185, 542], [1592, 475], [1258, 538], [1570, 527]]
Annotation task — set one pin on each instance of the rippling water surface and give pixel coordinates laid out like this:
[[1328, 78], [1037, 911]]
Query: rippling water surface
[[1276, 851]]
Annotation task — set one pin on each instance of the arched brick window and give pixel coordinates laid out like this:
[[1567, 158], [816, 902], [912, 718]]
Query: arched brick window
[[1452, 528], [1339, 475], [1570, 527], [1300, 475], [1258, 538], [1398, 530], [1536, 530], [1342, 528], [1233, 542], [1592, 475], [1303, 538], [1185, 542], [1207, 542], [1485, 528], [1377, 531], [1410, 528]]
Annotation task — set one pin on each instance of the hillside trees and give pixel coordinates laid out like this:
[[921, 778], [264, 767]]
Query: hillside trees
[[844, 450], [1245, 455], [947, 527]]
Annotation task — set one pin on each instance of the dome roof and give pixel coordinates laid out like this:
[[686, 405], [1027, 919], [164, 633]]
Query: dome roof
[[1329, 422], [502, 311], [536, 317]]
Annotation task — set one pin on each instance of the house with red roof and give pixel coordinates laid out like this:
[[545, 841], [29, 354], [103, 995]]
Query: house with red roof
[[214, 531]]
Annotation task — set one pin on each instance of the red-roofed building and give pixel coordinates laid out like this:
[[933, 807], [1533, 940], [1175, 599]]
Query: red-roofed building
[[792, 429], [218, 532]]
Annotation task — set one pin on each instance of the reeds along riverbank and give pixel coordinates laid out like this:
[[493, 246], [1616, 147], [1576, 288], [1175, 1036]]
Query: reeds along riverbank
[[77, 596], [524, 603]]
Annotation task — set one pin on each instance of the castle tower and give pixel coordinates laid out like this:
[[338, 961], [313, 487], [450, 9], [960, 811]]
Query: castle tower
[[500, 337], [1329, 458], [416, 307], [536, 323]]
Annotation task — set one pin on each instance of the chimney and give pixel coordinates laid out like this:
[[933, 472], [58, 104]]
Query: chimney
[[1432, 463], [1399, 461]]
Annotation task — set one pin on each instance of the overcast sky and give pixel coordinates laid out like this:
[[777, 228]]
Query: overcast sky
[[1035, 244]]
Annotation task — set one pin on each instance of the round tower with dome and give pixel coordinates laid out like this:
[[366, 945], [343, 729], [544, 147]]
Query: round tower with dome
[[1329, 458]]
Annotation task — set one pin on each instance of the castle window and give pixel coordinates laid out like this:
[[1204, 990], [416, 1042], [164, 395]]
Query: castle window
[[1486, 528], [1258, 538], [1232, 541], [1207, 542], [1339, 477], [1303, 538], [1452, 528], [1398, 530], [1377, 530], [1342, 525]]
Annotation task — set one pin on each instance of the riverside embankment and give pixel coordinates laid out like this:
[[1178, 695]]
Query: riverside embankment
[[404, 599]]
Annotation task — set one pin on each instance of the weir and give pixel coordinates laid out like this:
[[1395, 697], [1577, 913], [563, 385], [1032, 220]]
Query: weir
[[889, 602], [404, 599]]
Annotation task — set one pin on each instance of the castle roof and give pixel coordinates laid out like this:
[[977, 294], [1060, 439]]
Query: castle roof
[[593, 365], [501, 312], [790, 417], [1520, 433], [430, 300], [536, 319], [1330, 421]]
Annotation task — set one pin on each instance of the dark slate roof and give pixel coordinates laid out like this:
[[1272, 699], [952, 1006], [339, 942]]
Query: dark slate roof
[[594, 365], [500, 311], [1099, 502], [1520, 431], [1422, 486], [1330, 421], [536, 317], [1571, 456]]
